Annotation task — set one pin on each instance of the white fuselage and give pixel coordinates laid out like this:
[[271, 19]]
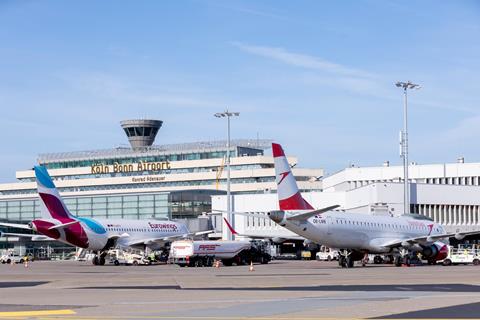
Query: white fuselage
[[93, 234], [361, 232]]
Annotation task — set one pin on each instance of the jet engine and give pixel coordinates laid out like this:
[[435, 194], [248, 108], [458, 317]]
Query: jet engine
[[436, 251]]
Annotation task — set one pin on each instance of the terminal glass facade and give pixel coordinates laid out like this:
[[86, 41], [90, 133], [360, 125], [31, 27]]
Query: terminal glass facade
[[183, 204]]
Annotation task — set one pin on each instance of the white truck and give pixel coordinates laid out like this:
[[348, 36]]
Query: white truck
[[11, 257], [463, 254], [118, 257], [204, 253], [326, 254]]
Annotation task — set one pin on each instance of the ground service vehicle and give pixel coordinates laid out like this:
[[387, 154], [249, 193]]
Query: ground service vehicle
[[204, 253], [327, 254], [11, 257], [462, 255], [118, 257]]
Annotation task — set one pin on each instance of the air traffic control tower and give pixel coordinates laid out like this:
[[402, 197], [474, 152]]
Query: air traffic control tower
[[141, 133]]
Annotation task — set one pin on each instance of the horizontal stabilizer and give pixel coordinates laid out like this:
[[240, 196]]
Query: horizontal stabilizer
[[63, 225], [15, 225], [309, 214], [200, 233]]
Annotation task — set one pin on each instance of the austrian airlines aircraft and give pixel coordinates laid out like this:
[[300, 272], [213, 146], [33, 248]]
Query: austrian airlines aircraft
[[356, 234], [98, 235]]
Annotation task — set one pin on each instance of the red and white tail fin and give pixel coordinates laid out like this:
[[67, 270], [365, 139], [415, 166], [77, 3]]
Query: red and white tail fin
[[289, 196]]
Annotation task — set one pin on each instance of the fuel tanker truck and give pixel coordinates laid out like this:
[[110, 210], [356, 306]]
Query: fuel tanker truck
[[204, 253]]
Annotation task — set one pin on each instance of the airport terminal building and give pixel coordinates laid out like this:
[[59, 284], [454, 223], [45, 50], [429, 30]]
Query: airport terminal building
[[144, 180]]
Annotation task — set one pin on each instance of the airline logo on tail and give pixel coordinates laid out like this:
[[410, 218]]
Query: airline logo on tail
[[289, 196], [53, 206]]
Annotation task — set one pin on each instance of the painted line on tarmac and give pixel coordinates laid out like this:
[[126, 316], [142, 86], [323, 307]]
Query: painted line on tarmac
[[36, 313], [205, 317]]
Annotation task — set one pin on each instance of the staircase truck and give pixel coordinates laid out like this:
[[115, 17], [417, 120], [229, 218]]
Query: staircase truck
[[204, 253]]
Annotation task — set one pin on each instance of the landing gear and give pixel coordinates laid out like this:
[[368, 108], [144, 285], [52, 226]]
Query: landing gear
[[377, 260], [345, 260], [398, 261], [99, 259], [403, 259]]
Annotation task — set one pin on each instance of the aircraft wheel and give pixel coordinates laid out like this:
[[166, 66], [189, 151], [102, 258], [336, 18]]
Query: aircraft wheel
[[476, 262], [377, 260], [398, 261], [349, 262], [116, 262], [95, 260], [341, 262], [406, 261], [101, 261]]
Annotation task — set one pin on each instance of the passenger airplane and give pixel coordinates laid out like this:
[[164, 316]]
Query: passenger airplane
[[97, 235], [356, 235]]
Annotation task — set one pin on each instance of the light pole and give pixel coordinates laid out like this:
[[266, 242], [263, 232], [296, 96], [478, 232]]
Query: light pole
[[404, 143], [227, 114]]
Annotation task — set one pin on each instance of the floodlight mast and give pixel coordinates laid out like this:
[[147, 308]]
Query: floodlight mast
[[227, 114], [404, 143]]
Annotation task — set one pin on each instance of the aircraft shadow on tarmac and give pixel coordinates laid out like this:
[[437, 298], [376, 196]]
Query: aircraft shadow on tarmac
[[462, 311], [366, 288], [17, 284], [344, 288]]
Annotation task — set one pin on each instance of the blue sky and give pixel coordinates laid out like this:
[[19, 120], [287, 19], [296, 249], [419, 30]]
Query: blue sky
[[316, 76]]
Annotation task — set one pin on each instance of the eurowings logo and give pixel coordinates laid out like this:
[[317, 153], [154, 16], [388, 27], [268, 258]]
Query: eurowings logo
[[283, 175]]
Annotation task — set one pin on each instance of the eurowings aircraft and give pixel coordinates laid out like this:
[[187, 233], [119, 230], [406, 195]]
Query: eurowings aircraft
[[97, 234], [356, 234]]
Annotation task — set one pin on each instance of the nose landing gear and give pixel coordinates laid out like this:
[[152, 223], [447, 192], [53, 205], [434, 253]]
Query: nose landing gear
[[345, 259]]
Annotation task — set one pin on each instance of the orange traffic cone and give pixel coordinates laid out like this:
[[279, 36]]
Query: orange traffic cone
[[217, 264], [251, 266]]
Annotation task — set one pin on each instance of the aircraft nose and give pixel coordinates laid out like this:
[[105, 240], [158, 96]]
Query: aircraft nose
[[277, 216]]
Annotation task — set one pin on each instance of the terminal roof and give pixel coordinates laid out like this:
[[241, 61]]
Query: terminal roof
[[182, 148]]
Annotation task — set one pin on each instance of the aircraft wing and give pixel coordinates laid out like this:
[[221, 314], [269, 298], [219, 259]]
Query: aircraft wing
[[163, 240], [278, 239], [15, 225], [429, 239]]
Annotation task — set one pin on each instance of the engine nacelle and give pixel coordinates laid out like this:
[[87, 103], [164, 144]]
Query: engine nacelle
[[278, 240], [436, 251], [278, 216]]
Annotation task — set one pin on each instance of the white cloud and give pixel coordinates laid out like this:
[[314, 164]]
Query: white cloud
[[302, 60]]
